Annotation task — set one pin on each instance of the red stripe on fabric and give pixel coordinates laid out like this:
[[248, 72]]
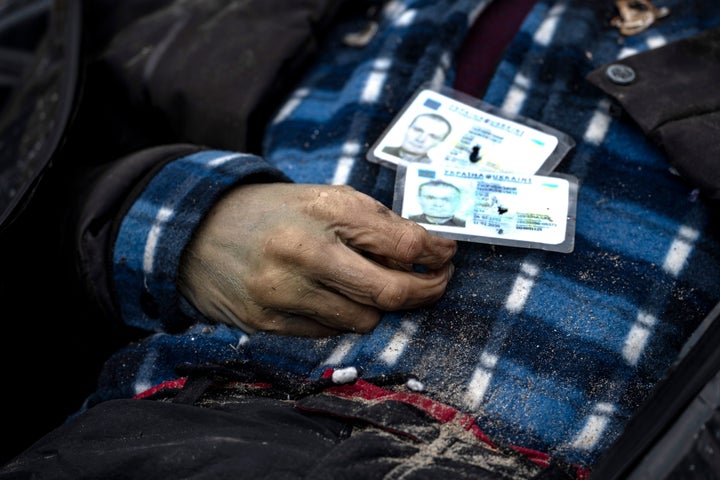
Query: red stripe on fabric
[[539, 458], [439, 411], [173, 384], [180, 383]]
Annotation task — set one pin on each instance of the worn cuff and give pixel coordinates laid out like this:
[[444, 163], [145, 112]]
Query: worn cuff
[[161, 222]]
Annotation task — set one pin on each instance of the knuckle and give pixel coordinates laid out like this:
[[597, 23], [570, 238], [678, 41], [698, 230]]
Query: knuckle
[[260, 288], [409, 243], [269, 287], [284, 244], [391, 296], [325, 201]]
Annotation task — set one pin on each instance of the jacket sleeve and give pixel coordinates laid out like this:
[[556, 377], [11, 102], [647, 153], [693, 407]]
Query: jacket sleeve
[[137, 217]]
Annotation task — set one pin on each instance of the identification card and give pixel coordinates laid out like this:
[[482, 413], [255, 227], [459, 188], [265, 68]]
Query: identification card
[[533, 211], [452, 130]]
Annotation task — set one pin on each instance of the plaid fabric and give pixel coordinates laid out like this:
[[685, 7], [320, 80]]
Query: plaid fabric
[[549, 351], [158, 225]]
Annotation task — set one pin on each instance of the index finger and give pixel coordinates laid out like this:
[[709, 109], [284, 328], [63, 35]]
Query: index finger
[[345, 271], [382, 232]]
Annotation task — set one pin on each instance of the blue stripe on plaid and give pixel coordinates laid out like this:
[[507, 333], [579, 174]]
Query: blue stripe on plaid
[[550, 351], [159, 224], [352, 94]]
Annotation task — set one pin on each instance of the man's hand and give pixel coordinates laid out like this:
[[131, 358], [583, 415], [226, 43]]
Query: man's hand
[[310, 260]]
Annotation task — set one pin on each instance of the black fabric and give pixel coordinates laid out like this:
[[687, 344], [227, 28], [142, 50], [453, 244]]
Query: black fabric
[[233, 420], [68, 113], [36, 96], [170, 61], [159, 74], [393, 416], [46, 320], [663, 100], [263, 438]]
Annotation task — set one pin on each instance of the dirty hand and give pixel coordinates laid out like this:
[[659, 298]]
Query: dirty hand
[[310, 260]]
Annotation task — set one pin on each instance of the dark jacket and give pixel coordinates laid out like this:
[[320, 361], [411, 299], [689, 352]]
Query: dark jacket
[[79, 129], [548, 351]]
